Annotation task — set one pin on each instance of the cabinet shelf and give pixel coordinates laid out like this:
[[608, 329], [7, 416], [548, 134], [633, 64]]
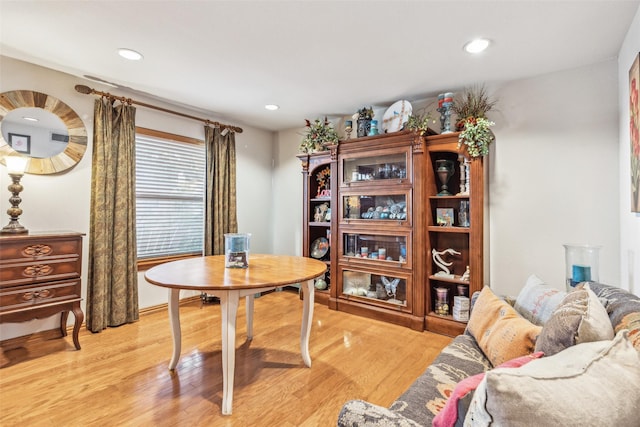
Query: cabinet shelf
[[452, 197], [381, 262], [438, 229], [319, 224], [457, 279], [320, 199], [446, 317]]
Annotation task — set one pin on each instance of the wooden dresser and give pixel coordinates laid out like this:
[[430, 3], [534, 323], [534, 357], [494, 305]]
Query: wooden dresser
[[40, 275]]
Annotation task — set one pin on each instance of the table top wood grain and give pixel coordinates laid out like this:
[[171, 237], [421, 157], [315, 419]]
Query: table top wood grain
[[209, 273]]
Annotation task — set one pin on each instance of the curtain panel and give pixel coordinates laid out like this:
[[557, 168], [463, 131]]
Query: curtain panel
[[220, 200], [112, 291]]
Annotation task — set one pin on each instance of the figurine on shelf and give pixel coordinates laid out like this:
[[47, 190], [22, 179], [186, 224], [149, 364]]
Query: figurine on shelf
[[348, 127], [466, 274], [320, 212], [437, 259], [391, 287]]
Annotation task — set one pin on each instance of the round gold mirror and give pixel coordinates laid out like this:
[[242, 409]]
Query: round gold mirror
[[43, 128]]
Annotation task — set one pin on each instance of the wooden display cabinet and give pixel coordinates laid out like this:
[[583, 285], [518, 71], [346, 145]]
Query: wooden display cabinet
[[318, 171], [380, 188], [447, 230]]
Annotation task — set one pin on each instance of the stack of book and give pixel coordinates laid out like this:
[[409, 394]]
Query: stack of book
[[461, 308]]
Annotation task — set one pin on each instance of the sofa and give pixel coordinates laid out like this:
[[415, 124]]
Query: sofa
[[546, 358]]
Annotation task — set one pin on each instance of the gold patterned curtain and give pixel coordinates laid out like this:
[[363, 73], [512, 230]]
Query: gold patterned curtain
[[112, 292], [220, 203]]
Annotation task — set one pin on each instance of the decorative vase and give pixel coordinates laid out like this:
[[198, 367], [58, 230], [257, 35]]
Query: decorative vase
[[444, 169], [321, 284], [364, 127], [374, 128], [582, 264]]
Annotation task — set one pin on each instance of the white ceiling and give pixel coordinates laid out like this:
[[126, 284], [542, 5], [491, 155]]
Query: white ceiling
[[313, 58]]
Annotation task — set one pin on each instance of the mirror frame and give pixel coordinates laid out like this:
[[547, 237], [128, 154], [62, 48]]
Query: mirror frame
[[76, 146]]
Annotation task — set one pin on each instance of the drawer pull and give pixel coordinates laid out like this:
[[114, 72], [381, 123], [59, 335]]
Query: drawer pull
[[37, 270], [30, 296], [45, 293], [37, 250]]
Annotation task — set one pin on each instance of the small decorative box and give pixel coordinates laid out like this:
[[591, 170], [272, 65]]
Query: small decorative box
[[460, 315], [461, 302]]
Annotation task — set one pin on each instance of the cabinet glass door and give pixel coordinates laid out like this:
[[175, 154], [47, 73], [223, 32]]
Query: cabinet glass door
[[381, 167], [377, 288], [375, 207], [389, 248]]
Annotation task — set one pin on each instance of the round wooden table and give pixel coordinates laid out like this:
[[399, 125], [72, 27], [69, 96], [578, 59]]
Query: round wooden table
[[208, 274]]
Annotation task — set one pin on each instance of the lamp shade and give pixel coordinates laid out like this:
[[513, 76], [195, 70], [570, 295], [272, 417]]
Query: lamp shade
[[16, 165]]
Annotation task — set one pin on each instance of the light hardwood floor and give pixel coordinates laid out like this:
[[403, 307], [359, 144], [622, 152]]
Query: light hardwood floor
[[120, 376]]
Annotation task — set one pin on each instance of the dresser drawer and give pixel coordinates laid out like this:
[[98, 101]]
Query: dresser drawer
[[40, 249], [25, 297], [30, 272]]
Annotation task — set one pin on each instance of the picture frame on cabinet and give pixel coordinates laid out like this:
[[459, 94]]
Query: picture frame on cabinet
[[444, 217]]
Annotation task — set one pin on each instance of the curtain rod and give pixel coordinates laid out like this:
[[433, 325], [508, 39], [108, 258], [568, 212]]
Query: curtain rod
[[87, 91]]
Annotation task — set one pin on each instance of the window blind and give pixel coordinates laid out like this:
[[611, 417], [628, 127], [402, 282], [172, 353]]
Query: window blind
[[170, 188]]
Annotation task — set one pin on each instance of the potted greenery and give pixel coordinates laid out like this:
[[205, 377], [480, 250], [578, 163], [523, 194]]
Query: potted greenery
[[471, 109], [319, 134], [477, 136], [419, 123]]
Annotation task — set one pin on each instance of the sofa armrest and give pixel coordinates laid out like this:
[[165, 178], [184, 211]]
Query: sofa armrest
[[358, 413]]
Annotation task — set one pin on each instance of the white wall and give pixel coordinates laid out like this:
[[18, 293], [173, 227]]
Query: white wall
[[629, 221], [62, 202], [553, 175], [287, 194]]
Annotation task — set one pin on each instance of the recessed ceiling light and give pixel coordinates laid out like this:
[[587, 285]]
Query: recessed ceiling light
[[271, 107], [476, 45], [130, 54]]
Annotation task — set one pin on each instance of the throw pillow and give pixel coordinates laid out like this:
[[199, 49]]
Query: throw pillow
[[631, 322], [595, 384], [537, 300], [501, 332], [619, 302], [579, 318], [456, 407]]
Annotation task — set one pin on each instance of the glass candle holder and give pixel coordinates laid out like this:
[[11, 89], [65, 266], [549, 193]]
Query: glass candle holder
[[442, 301], [236, 249], [582, 264]]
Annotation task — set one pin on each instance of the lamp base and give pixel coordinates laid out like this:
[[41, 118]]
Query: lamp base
[[14, 227]]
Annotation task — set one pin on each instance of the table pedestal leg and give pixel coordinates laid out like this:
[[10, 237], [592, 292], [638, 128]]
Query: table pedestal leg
[[307, 315], [174, 319], [229, 306], [249, 306]]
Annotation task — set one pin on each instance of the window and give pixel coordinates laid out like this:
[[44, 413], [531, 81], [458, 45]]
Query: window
[[170, 176]]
